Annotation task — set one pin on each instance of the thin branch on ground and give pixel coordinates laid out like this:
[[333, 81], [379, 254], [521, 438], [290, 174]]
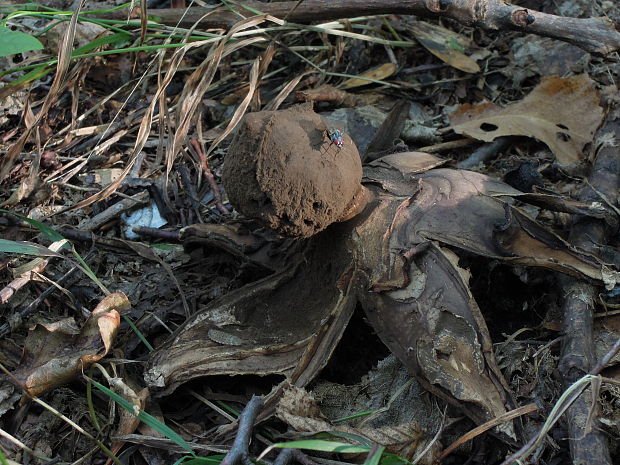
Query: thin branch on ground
[[210, 178], [10, 289], [238, 453], [485, 152]]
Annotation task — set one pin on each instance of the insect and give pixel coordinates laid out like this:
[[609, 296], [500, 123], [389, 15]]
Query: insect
[[336, 137]]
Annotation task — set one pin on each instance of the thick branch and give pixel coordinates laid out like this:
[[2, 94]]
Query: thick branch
[[587, 443], [596, 35]]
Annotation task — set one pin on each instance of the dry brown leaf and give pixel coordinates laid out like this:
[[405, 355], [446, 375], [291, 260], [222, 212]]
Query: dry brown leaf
[[327, 93], [56, 353], [561, 112], [378, 74], [446, 45], [25, 188], [102, 177], [128, 421]]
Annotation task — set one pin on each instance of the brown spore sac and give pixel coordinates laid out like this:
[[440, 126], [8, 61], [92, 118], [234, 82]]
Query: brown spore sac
[[282, 170]]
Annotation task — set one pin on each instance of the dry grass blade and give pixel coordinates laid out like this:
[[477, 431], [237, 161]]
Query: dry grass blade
[[240, 111], [199, 82], [286, 90], [258, 70], [64, 58], [143, 22], [324, 28], [563, 403], [529, 408], [145, 127], [147, 120], [21, 445]]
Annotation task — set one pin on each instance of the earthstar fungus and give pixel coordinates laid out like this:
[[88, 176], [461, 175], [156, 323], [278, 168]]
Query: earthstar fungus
[[396, 255]]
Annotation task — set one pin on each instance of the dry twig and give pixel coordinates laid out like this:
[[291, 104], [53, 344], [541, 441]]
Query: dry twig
[[239, 450]]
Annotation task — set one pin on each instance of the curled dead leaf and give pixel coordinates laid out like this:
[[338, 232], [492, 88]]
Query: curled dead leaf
[[56, 353]]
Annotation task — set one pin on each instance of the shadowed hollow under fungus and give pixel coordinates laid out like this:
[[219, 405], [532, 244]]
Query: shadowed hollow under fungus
[[391, 247]]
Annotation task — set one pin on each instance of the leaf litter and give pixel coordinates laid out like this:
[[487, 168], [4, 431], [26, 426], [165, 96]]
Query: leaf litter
[[445, 264]]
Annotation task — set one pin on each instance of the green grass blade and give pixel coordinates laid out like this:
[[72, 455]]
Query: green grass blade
[[392, 459], [144, 417], [361, 440], [210, 460], [26, 248], [87, 270], [49, 233], [228, 408], [374, 456], [323, 446], [3, 459], [354, 416], [106, 40], [136, 330]]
